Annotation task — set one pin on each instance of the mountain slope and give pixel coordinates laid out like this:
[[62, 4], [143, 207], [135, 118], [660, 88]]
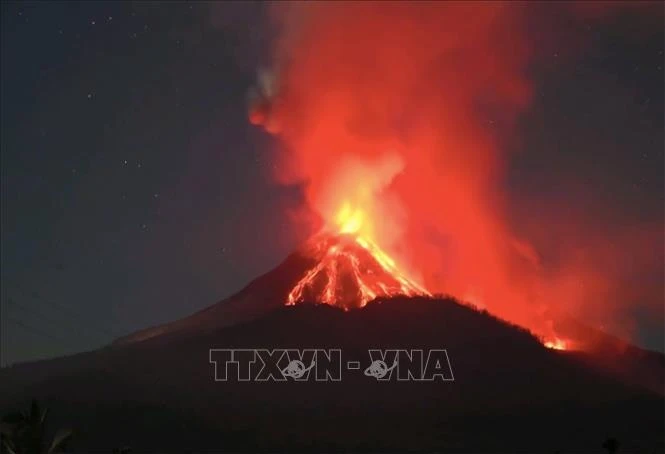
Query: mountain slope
[[510, 394], [341, 270], [263, 294]]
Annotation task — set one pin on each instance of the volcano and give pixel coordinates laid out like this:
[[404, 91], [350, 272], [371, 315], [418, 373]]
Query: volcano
[[154, 390]]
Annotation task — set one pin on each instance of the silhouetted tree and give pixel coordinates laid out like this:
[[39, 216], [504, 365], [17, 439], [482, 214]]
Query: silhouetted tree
[[24, 433], [125, 450], [611, 445]]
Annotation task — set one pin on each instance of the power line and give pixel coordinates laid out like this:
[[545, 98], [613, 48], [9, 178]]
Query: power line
[[14, 303], [35, 296], [37, 330]]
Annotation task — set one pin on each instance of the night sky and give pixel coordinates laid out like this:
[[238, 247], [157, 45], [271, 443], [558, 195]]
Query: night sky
[[135, 192]]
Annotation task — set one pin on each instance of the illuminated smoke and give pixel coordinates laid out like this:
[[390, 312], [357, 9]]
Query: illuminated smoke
[[401, 110]]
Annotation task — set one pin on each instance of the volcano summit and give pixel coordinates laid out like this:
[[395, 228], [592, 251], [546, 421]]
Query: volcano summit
[[349, 271]]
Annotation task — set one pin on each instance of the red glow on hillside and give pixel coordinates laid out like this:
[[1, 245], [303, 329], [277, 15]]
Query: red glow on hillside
[[395, 117]]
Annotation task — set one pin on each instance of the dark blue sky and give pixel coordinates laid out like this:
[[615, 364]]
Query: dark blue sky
[[134, 191]]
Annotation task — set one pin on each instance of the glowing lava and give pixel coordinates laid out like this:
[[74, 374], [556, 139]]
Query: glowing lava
[[556, 344], [350, 269]]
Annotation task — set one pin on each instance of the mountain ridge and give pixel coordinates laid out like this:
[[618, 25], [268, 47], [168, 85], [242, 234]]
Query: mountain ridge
[[508, 387]]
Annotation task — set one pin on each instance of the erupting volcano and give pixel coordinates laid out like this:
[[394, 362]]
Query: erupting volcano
[[350, 269], [418, 174]]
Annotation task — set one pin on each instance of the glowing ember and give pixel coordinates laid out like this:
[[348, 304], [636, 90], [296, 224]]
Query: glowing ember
[[350, 269], [556, 344]]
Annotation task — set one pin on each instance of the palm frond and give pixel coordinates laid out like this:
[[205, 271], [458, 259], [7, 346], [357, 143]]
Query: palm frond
[[59, 441], [8, 446]]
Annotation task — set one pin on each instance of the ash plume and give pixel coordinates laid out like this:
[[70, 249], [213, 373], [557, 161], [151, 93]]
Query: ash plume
[[437, 88]]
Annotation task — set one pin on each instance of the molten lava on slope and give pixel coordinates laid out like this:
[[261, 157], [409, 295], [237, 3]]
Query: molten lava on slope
[[349, 268], [349, 271]]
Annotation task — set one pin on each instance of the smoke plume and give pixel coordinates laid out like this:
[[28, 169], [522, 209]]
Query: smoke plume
[[408, 109]]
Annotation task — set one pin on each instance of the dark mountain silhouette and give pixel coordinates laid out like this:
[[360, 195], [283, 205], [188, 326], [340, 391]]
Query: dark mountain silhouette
[[337, 264], [260, 296], [155, 390]]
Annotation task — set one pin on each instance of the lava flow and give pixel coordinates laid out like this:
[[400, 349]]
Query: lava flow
[[350, 269]]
